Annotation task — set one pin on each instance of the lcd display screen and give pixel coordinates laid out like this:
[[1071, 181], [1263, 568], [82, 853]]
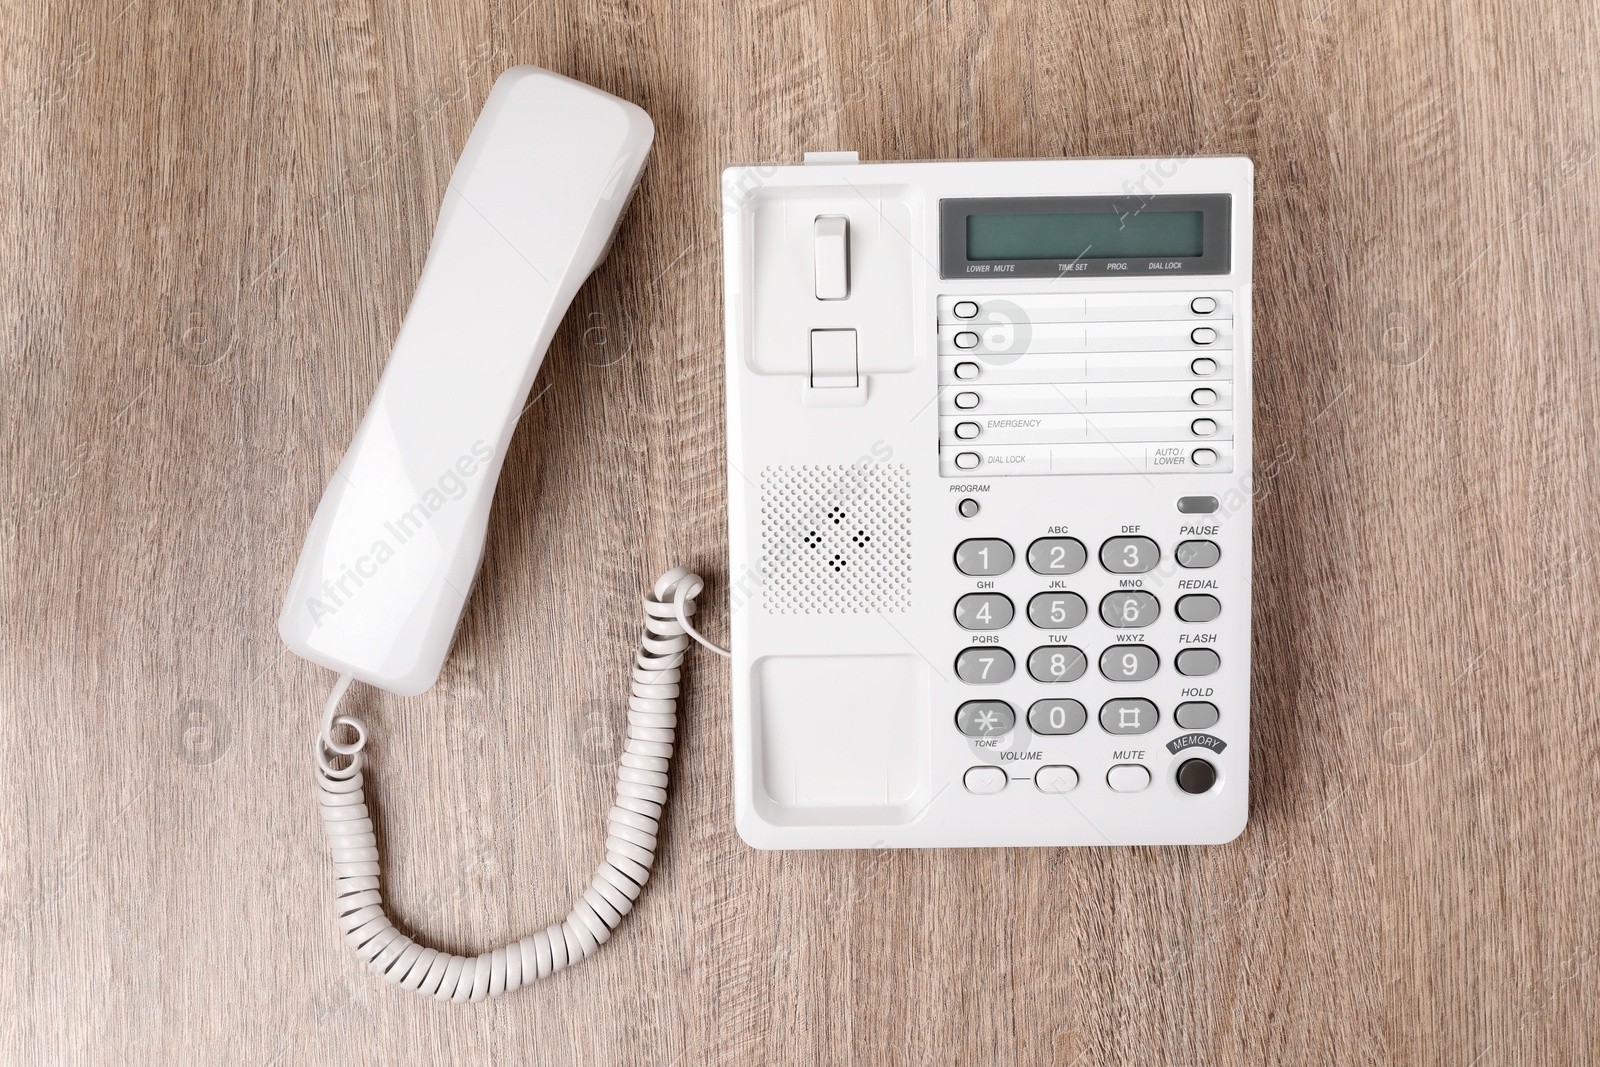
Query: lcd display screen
[[1068, 236]]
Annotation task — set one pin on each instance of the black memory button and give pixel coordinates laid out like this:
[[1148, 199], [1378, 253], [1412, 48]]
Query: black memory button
[[1196, 776]]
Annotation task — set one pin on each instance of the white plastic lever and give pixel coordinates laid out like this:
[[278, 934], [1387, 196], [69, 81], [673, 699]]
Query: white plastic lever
[[833, 257]]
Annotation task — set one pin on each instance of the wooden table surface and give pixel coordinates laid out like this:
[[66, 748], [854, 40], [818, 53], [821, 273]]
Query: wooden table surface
[[213, 218]]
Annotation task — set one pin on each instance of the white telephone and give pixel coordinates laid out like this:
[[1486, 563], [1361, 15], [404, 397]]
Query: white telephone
[[989, 450], [989, 490], [398, 536]]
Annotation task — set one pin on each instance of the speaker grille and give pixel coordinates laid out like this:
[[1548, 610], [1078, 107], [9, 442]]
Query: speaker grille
[[836, 539]]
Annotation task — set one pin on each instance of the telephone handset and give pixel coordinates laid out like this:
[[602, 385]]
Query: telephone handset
[[398, 537]]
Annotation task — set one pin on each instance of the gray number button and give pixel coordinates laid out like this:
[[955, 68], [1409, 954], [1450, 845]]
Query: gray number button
[[1129, 663], [1198, 608], [1057, 555], [984, 555], [1198, 662], [985, 666], [1129, 555], [984, 611], [1197, 555], [1196, 715], [1057, 663], [1057, 611], [1052, 717], [1129, 609], [1128, 716], [985, 718]]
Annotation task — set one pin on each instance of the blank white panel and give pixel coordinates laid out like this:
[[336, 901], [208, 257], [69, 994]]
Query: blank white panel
[[840, 731]]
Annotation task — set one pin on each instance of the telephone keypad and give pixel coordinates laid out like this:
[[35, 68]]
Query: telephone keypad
[[1057, 663], [984, 555], [1057, 717], [1129, 555], [1057, 611], [985, 718], [1129, 609], [985, 665], [1053, 720], [1129, 663], [984, 611], [1132, 716], [1057, 555]]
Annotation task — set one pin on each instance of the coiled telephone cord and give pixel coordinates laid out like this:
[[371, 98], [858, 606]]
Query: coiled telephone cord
[[630, 841]]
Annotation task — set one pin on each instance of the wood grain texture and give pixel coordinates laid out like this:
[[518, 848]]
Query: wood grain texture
[[213, 218]]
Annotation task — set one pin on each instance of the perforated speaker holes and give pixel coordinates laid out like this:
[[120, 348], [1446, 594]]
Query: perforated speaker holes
[[836, 539]]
